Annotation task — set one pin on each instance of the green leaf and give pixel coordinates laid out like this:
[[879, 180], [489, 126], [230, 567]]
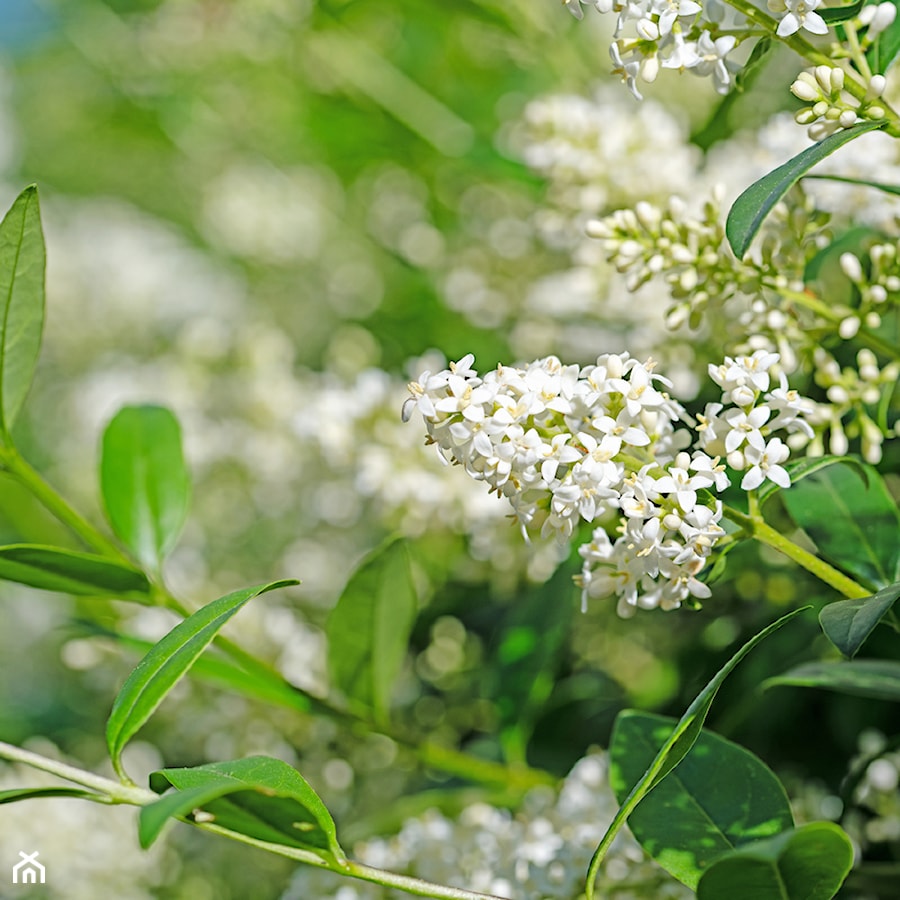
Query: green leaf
[[144, 481], [878, 678], [755, 203], [22, 263], [846, 179], [720, 797], [261, 797], [847, 623], [70, 572], [884, 51], [836, 14], [677, 746], [799, 469], [806, 863], [37, 793], [158, 672], [368, 631], [854, 524], [823, 274]]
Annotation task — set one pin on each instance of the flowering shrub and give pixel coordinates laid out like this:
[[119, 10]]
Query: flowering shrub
[[793, 309]]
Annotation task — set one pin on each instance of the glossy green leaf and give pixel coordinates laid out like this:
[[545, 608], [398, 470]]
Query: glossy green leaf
[[799, 469], [806, 863], [847, 623], [837, 14], [261, 797], [158, 672], [144, 480], [22, 264], [37, 793], [854, 524], [368, 631], [756, 202], [677, 746], [720, 797], [70, 572], [878, 678], [884, 51]]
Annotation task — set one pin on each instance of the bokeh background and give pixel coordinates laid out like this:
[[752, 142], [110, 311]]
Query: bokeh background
[[269, 216]]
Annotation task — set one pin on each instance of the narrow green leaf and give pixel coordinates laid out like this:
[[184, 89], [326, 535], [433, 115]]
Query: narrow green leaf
[[158, 672], [884, 51], [806, 863], [70, 572], [847, 623], [144, 480], [846, 179], [676, 746], [721, 796], [266, 799], [37, 793], [878, 678], [22, 263], [799, 469], [755, 203], [837, 14], [368, 631], [855, 525]]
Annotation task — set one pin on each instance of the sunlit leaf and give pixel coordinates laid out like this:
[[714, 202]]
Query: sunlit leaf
[[720, 797], [144, 481], [878, 678], [158, 672], [37, 793], [756, 202], [258, 796], [799, 469], [22, 263]]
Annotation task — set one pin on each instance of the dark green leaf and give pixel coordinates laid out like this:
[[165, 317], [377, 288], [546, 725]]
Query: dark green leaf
[[144, 481], [37, 793], [886, 47], [22, 263], [368, 631], [719, 798], [879, 678], [847, 623], [836, 14], [677, 745], [755, 203], [70, 572], [807, 863], [878, 185], [157, 673], [799, 469], [855, 525], [261, 797]]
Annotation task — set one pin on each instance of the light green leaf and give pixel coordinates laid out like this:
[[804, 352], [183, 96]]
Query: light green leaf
[[368, 631], [878, 678], [70, 572], [854, 523], [847, 623], [799, 469], [22, 263], [158, 672], [144, 481], [677, 746], [37, 793], [261, 797], [720, 797], [806, 863], [754, 204]]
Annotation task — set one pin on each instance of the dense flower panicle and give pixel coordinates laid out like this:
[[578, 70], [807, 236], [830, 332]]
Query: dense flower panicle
[[566, 444]]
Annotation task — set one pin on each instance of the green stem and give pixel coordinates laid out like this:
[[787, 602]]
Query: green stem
[[135, 796], [765, 534], [18, 468]]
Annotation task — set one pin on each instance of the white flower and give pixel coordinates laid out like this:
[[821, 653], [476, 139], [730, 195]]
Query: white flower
[[745, 427], [800, 14], [766, 463]]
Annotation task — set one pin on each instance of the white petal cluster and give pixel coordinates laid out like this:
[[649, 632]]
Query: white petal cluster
[[566, 444], [798, 14], [542, 851]]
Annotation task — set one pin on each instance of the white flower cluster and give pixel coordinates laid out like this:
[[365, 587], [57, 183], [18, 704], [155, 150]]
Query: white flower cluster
[[566, 444], [543, 851]]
